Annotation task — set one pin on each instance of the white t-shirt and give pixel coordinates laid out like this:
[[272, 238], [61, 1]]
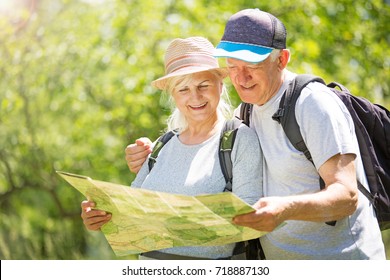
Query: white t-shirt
[[327, 129]]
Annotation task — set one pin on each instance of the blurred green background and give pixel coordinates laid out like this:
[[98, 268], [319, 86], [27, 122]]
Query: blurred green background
[[75, 90]]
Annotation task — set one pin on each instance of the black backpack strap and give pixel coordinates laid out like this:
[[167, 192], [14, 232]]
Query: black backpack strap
[[161, 141], [285, 115], [252, 248], [245, 112], [254, 251], [226, 143]]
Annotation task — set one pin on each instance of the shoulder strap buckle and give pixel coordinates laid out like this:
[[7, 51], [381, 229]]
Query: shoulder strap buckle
[[278, 115]]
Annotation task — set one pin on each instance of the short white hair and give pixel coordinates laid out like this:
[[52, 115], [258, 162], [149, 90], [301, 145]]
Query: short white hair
[[275, 54]]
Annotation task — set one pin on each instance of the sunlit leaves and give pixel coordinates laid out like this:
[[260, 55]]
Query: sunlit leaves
[[75, 90]]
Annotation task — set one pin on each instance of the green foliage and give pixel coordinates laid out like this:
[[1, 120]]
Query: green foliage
[[75, 90]]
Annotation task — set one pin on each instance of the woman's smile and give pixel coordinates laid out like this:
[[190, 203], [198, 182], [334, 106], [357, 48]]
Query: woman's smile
[[198, 107]]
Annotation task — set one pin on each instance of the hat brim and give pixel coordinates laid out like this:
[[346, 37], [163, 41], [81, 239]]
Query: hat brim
[[161, 82], [242, 51]]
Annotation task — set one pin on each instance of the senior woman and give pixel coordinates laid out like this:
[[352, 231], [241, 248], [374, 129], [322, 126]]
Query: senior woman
[[188, 163]]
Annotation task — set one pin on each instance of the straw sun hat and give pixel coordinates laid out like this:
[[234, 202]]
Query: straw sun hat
[[187, 56]]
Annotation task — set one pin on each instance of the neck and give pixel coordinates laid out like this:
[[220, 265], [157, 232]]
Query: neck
[[197, 132]]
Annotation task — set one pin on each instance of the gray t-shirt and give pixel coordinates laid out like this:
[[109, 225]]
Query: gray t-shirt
[[195, 169], [327, 129]]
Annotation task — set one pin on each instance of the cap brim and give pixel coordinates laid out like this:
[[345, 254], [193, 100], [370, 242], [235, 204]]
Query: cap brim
[[241, 51], [161, 82]]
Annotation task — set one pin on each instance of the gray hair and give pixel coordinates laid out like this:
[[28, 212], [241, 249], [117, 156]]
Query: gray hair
[[275, 54]]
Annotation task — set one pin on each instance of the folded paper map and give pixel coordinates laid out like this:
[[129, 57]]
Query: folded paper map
[[144, 220]]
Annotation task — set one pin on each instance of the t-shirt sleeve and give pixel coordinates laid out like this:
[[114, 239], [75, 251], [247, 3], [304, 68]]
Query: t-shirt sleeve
[[325, 123], [247, 159]]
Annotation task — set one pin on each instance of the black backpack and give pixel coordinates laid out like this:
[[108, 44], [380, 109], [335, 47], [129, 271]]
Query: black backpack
[[251, 248], [372, 127]]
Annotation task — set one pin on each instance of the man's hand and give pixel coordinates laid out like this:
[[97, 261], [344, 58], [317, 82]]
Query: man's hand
[[266, 217], [137, 153], [336, 201]]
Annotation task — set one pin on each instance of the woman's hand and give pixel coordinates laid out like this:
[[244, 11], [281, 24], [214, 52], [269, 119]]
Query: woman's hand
[[93, 219]]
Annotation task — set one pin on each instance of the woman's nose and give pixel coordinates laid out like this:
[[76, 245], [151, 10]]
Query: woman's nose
[[196, 92]]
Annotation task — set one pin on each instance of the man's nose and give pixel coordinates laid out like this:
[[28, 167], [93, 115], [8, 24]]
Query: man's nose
[[243, 75]]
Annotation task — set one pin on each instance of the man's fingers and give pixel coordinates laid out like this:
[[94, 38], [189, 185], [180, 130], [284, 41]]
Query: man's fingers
[[245, 219], [143, 141], [135, 168], [136, 154], [136, 163]]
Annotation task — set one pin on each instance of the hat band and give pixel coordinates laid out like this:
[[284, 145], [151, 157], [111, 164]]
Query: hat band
[[191, 60]]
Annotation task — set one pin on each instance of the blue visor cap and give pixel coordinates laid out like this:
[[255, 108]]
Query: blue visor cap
[[246, 52]]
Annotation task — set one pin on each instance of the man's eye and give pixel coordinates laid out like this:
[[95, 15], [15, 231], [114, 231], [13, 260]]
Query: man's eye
[[232, 68]]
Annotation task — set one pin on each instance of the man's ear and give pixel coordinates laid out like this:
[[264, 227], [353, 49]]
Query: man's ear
[[284, 58]]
